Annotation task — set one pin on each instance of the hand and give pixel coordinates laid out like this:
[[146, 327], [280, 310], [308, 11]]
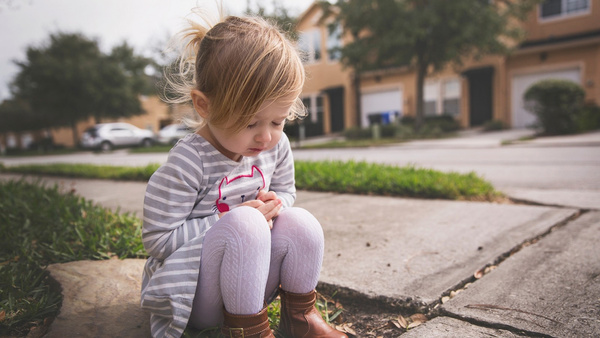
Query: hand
[[266, 196], [269, 209]]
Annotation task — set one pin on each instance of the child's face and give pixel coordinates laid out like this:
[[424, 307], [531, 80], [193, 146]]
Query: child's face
[[263, 132]]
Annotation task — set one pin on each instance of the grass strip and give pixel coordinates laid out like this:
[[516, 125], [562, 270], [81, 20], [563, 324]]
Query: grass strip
[[41, 226], [85, 171], [387, 180], [331, 176]]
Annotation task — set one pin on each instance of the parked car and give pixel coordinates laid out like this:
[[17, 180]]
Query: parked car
[[172, 133], [106, 136]]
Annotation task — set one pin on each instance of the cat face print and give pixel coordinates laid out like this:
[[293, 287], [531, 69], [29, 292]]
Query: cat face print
[[239, 189]]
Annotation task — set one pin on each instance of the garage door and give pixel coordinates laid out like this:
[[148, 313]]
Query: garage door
[[521, 117], [375, 103]]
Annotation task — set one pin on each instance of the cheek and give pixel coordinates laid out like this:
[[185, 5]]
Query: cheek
[[277, 132], [276, 136]]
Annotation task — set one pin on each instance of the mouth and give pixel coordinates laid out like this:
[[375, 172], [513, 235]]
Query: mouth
[[256, 150]]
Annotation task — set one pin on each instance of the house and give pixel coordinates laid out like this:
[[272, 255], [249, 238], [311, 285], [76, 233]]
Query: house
[[562, 41]]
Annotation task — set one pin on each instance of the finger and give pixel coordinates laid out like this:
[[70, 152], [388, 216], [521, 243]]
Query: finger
[[266, 196], [270, 223], [271, 209], [253, 203]]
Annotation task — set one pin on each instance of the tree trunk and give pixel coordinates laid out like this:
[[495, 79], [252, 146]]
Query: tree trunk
[[420, 82], [357, 98], [74, 131]]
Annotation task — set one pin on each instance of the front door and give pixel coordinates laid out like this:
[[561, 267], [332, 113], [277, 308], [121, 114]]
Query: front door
[[480, 95], [336, 108]]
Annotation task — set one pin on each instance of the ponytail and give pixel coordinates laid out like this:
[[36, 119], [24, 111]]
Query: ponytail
[[179, 76]]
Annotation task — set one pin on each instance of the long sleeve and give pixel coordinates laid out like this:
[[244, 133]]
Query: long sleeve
[[283, 181], [170, 198]]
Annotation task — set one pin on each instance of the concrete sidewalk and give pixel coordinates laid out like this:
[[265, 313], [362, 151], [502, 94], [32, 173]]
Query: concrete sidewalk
[[410, 253]]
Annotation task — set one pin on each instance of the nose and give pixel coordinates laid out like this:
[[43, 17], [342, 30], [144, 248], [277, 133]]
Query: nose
[[263, 136]]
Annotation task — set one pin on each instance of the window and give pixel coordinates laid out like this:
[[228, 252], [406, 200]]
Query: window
[[442, 97], [310, 45], [430, 96], [314, 105], [561, 8], [313, 123], [334, 42], [451, 97]]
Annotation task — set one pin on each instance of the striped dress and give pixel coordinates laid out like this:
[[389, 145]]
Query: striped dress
[[183, 200]]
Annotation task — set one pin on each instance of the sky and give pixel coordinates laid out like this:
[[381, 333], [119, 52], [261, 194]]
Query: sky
[[144, 24]]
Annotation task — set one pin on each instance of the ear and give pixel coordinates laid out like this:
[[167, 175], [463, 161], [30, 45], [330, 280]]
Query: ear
[[201, 103]]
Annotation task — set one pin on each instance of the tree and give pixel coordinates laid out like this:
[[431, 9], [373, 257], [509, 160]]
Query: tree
[[280, 16], [425, 34], [16, 115], [121, 78], [69, 80]]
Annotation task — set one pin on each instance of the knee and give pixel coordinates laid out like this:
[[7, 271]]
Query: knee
[[299, 222], [246, 220], [298, 216]]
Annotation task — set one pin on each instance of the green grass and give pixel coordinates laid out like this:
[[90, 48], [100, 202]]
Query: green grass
[[387, 180], [86, 171], [352, 143], [521, 139], [41, 226], [333, 176], [36, 152], [159, 148]]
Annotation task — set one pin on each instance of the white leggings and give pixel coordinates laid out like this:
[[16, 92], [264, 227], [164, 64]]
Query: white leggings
[[243, 262]]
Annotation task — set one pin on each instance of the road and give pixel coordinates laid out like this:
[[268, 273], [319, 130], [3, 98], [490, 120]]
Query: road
[[526, 165], [507, 166]]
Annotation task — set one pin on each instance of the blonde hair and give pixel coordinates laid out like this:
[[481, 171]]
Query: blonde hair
[[240, 64]]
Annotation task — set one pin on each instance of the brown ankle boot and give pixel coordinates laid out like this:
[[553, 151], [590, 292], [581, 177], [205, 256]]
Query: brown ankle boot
[[300, 318], [250, 326]]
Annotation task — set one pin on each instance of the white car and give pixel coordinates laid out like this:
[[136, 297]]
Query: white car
[[106, 136], [172, 133]]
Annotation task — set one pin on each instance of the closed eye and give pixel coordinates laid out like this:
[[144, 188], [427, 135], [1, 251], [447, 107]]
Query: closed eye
[[250, 126], [276, 123]]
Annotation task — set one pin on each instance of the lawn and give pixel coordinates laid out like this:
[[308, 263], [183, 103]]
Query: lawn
[[41, 226]]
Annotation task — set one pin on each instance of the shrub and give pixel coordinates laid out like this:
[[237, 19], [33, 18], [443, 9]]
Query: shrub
[[555, 103], [407, 120], [356, 133], [493, 125], [433, 126], [445, 122], [588, 118]]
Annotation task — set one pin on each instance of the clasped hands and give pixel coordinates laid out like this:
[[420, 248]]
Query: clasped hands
[[267, 203]]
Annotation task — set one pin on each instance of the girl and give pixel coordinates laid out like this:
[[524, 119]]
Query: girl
[[219, 225]]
